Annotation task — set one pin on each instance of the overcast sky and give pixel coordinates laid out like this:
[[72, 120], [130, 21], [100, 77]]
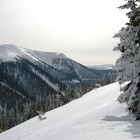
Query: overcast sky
[[81, 29]]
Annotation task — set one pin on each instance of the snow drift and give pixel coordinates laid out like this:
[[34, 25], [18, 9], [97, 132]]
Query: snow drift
[[95, 116]]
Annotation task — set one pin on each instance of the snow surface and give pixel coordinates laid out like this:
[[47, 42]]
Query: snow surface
[[28, 54], [10, 52], [95, 116], [46, 57]]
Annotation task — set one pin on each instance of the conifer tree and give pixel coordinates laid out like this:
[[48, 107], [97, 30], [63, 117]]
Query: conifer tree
[[128, 65]]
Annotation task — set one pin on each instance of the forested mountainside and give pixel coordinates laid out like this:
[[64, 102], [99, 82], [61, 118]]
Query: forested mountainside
[[31, 81]]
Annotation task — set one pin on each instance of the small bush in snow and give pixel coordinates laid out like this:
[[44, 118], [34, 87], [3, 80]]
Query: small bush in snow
[[41, 115]]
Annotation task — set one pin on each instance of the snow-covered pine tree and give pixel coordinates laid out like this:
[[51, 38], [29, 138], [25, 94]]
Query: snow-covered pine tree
[[128, 65]]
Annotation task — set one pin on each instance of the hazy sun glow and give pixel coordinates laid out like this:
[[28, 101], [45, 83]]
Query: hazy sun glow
[[82, 29]]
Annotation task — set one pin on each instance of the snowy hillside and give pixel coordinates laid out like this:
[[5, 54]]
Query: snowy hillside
[[95, 116], [45, 56], [10, 52]]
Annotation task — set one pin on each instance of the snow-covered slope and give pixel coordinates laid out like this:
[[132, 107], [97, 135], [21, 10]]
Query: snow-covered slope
[[10, 52], [95, 116], [45, 56]]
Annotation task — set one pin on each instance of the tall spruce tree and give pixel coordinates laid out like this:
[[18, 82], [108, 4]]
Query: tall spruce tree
[[128, 65]]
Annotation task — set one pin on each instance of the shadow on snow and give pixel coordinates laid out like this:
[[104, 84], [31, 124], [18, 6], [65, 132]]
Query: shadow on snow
[[133, 125]]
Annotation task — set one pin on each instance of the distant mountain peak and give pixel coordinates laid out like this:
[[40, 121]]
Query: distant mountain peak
[[9, 51], [61, 55], [102, 67]]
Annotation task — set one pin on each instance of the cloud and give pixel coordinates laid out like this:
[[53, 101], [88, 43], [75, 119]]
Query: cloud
[[76, 27]]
